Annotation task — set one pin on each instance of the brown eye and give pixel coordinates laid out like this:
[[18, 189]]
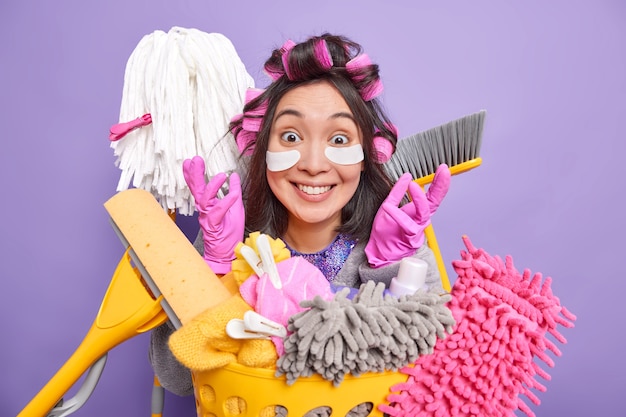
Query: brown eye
[[290, 137], [339, 140]]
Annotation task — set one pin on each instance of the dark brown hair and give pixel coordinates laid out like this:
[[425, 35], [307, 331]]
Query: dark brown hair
[[263, 210]]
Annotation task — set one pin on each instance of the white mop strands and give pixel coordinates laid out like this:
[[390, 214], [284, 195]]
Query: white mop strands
[[192, 83]]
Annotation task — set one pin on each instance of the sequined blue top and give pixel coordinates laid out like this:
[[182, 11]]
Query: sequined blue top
[[329, 260]]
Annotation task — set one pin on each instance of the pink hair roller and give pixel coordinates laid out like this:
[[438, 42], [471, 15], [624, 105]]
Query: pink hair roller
[[392, 127], [322, 54], [251, 124], [252, 119], [354, 67], [245, 139], [372, 90], [252, 93], [383, 148], [275, 73], [382, 145], [286, 49], [357, 63]]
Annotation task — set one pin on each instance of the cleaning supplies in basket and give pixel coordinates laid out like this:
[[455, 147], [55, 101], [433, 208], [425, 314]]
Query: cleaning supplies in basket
[[327, 333], [503, 319], [411, 277], [204, 342], [371, 332], [300, 281]]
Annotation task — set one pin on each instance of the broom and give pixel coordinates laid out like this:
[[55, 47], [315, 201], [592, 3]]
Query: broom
[[456, 144]]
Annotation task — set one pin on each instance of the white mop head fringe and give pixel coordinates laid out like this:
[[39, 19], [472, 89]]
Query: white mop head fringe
[[192, 83]]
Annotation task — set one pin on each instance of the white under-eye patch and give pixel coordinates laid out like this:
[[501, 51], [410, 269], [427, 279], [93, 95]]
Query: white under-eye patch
[[280, 161], [345, 155]]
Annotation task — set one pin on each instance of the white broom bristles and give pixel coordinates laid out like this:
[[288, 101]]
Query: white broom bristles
[[192, 83]]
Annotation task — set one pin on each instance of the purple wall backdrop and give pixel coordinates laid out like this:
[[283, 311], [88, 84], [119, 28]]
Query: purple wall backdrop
[[550, 74]]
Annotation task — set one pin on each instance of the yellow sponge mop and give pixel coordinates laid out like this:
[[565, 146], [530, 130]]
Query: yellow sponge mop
[[168, 262]]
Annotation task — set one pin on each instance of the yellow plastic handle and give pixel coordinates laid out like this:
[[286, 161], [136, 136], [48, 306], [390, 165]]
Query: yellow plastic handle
[[127, 310], [429, 232], [454, 170]]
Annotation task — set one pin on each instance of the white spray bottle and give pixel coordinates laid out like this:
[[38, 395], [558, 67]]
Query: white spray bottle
[[411, 277]]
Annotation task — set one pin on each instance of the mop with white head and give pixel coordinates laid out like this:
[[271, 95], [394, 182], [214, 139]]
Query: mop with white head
[[191, 83]]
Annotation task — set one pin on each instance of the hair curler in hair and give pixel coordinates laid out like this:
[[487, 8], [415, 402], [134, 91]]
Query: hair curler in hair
[[252, 93], [322, 54], [357, 64], [273, 71], [253, 118], [245, 140], [356, 68], [383, 148], [251, 121], [286, 50]]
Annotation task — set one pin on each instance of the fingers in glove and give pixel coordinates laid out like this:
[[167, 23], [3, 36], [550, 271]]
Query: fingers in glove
[[230, 200], [399, 189], [234, 191], [214, 185], [421, 215], [439, 187], [193, 172]]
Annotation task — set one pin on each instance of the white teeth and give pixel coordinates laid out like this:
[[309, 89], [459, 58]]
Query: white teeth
[[313, 190]]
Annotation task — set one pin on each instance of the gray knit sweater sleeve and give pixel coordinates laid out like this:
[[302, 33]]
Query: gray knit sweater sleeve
[[172, 375]]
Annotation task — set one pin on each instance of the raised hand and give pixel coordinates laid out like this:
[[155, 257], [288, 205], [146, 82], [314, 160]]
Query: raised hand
[[222, 220], [399, 232]]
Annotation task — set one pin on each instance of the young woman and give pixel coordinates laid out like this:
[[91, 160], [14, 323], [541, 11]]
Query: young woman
[[313, 145]]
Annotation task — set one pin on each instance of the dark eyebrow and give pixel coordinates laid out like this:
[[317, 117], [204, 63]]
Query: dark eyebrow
[[300, 115], [288, 112], [343, 114]]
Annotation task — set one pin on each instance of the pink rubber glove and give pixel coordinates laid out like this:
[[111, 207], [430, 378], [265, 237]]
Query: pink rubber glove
[[399, 232], [222, 220], [435, 192]]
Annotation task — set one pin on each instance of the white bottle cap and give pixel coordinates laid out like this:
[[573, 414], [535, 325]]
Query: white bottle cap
[[411, 277]]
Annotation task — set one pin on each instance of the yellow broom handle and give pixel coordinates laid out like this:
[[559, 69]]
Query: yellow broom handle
[[454, 170], [429, 232]]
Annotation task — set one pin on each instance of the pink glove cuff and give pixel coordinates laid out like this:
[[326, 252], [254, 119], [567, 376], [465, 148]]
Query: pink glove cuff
[[220, 267]]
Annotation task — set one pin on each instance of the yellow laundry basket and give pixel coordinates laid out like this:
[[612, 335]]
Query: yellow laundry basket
[[240, 391]]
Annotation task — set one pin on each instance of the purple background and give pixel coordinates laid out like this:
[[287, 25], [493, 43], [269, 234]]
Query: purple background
[[550, 74]]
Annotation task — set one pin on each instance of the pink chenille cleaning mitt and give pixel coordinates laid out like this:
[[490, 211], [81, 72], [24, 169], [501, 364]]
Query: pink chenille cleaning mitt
[[503, 319]]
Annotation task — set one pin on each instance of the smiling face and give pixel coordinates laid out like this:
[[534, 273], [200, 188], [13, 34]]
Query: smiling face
[[317, 180]]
